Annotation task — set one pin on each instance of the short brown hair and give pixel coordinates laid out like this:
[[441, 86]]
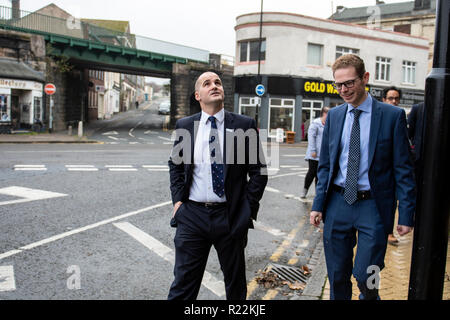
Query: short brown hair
[[350, 60]]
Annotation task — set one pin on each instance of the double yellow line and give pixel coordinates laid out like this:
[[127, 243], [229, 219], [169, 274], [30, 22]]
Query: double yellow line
[[272, 293]]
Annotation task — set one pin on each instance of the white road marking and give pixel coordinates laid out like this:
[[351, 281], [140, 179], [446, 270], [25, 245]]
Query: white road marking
[[122, 169], [29, 167], [293, 155], [209, 281], [82, 229], [114, 138], [276, 232], [154, 166], [159, 170], [269, 189], [27, 195], [164, 138], [7, 281], [81, 167], [110, 133]]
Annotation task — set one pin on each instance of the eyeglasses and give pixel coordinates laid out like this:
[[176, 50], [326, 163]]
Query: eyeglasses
[[348, 84], [393, 98]]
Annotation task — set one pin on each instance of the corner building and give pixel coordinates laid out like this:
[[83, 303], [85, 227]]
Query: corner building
[[297, 53]]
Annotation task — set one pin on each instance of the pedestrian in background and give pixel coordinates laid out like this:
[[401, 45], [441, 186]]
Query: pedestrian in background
[[315, 132], [364, 168], [392, 95]]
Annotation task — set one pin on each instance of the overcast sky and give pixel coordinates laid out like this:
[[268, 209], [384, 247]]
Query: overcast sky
[[202, 24]]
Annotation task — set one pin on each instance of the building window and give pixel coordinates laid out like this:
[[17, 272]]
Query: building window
[[315, 54], [383, 69], [281, 115], [403, 28], [247, 106], [409, 72], [249, 50], [340, 51]]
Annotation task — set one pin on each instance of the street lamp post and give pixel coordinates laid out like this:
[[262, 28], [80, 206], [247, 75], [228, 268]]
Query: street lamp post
[[433, 207], [259, 62]]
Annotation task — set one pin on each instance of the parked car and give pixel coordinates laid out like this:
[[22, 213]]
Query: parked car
[[164, 107]]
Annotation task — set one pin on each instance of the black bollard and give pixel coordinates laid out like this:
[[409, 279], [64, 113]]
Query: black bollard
[[433, 197]]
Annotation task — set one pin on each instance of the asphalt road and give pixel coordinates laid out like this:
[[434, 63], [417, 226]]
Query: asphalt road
[[96, 223]]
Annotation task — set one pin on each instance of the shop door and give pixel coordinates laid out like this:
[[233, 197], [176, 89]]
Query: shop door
[[310, 111], [15, 111]]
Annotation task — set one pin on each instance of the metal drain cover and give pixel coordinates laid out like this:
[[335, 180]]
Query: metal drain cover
[[291, 274]]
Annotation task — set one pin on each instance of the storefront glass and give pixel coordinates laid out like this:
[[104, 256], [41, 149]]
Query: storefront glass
[[4, 110], [247, 106], [310, 111], [281, 115]]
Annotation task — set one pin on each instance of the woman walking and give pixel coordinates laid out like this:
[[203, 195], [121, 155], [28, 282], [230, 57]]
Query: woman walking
[[315, 132]]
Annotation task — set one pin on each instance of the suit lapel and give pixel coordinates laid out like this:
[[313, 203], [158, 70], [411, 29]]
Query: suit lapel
[[229, 119], [375, 122], [337, 126], [193, 129]]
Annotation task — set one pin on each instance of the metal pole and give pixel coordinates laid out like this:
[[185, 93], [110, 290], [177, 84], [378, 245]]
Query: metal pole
[[259, 62], [432, 215]]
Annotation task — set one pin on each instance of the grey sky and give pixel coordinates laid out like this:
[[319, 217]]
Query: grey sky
[[203, 24]]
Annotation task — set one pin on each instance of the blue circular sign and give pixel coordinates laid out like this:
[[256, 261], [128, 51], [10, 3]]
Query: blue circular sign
[[260, 90]]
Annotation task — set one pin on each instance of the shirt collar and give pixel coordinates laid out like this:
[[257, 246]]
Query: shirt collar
[[220, 116], [366, 106]]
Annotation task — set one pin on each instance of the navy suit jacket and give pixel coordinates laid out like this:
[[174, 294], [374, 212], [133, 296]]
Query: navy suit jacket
[[390, 168], [245, 180]]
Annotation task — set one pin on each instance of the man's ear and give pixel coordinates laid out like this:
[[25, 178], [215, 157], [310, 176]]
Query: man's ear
[[197, 96]]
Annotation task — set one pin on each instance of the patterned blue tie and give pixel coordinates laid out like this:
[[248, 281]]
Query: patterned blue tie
[[216, 168], [354, 155]]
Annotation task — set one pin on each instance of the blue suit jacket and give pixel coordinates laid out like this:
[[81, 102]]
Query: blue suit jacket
[[390, 168]]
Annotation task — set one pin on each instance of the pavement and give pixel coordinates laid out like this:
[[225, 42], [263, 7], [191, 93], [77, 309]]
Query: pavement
[[394, 277]]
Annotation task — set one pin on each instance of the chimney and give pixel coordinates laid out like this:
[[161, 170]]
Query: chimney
[[15, 9]]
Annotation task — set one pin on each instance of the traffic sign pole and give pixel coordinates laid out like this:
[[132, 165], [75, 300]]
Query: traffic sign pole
[[50, 90]]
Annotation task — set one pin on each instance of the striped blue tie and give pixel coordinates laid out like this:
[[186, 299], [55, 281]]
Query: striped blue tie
[[216, 168]]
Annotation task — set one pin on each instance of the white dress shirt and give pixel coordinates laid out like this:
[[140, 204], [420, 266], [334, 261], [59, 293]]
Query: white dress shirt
[[202, 188]]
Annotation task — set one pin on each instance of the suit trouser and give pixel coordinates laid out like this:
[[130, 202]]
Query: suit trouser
[[345, 226], [198, 229]]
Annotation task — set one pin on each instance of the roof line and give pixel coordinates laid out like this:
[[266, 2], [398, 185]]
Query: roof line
[[329, 21]]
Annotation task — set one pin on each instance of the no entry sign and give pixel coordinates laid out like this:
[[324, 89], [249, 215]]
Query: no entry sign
[[50, 89]]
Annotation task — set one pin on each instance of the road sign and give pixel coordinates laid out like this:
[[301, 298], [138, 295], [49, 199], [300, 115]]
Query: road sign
[[50, 89], [260, 90]]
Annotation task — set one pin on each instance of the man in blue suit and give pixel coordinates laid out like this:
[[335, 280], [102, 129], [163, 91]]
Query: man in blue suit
[[364, 168]]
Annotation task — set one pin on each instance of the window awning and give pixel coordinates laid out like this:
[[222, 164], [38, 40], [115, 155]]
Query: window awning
[[18, 70]]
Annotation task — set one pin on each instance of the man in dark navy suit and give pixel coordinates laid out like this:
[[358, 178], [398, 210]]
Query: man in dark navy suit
[[364, 168], [217, 179]]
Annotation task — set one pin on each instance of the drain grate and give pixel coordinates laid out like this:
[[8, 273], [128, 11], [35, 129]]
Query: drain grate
[[288, 273]]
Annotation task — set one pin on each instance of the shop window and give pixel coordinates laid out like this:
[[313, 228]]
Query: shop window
[[383, 69], [247, 106], [310, 110], [281, 115], [315, 54], [249, 50], [4, 115]]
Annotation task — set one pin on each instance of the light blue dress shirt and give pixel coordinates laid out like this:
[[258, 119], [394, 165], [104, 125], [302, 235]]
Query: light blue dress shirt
[[364, 123]]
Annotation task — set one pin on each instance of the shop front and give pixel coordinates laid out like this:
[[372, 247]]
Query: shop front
[[290, 103], [21, 102]]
